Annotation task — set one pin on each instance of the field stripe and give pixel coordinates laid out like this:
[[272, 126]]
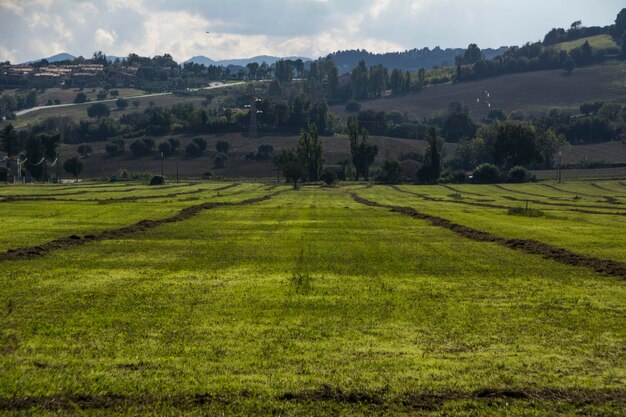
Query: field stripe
[[456, 190], [112, 200], [426, 400], [143, 225], [531, 246], [567, 207]]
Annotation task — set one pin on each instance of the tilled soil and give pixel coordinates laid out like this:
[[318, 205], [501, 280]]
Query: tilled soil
[[531, 246], [143, 225]]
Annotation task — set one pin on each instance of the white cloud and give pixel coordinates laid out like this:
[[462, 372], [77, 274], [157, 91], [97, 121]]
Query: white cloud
[[104, 38]]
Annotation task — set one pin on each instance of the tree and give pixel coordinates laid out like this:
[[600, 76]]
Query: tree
[[193, 150], [397, 82], [329, 176], [136, 103], [293, 171], [112, 149], [10, 144], [74, 166], [219, 160], [165, 148], [284, 70], [121, 103], [569, 65], [430, 171], [486, 174], [359, 79], [391, 171], [35, 154], [222, 146], [175, 143], [457, 123], [85, 150], [310, 153], [472, 55], [98, 110], [80, 98], [363, 154], [619, 28], [139, 148], [515, 144], [285, 156]]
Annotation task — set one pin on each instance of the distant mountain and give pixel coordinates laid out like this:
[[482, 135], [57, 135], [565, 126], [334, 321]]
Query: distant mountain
[[269, 60], [55, 58], [408, 60]]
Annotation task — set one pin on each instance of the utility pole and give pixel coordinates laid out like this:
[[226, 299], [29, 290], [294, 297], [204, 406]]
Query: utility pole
[[560, 162], [85, 157], [162, 156], [177, 170]]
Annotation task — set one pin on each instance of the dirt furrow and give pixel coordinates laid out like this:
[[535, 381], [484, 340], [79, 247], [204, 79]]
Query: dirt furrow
[[531, 246], [552, 187], [143, 225], [113, 200], [576, 206], [410, 400]]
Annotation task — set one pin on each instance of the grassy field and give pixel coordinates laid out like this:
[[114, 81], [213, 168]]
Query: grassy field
[[598, 41], [257, 299]]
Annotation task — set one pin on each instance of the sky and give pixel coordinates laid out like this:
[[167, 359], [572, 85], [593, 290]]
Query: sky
[[32, 29]]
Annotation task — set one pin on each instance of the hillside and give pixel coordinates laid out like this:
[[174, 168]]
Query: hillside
[[411, 60], [531, 92]]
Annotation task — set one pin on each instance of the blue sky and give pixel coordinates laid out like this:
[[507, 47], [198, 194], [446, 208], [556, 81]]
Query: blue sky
[[31, 29]]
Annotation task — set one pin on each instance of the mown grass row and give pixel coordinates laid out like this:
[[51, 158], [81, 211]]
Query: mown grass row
[[310, 303]]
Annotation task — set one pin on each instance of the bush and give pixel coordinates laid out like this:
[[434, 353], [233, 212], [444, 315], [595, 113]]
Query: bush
[[486, 174], [165, 148], [353, 106], [220, 160], [391, 171], [329, 176], [519, 174], [201, 143], [157, 180], [80, 98], [222, 146], [149, 144], [74, 166], [84, 150], [456, 177], [139, 148], [121, 103], [112, 149], [102, 94], [175, 143], [192, 150], [98, 110]]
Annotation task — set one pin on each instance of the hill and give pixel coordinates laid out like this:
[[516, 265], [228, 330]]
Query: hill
[[531, 92], [54, 58], [598, 42], [269, 60], [411, 60]]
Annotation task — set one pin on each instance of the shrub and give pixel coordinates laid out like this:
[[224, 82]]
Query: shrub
[[192, 149], [519, 174], [329, 176], [102, 94], [527, 212], [222, 146], [457, 176], [80, 98], [293, 171], [391, 171], [157, 180], [112, 149], [84, 150], [486, 174], [139, 148], [219, 160], [98, 110], [121, 103], [149, 144], [165, 148], [353, 106], [201, 143], [175, 143], [74, 166]]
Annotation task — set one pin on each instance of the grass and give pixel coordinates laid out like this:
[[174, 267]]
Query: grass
[[308, 303], [598, 41]]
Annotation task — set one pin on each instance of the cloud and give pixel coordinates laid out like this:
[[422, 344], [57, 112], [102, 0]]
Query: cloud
[[30, 29]]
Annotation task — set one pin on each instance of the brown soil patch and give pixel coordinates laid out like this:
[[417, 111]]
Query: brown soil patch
[[435, 400], [531, 246], [143, 225]]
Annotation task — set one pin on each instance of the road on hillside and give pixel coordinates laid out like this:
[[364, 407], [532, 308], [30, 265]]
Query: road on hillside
[[56, 106]]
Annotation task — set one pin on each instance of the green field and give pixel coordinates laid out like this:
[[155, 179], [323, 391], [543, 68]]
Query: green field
[[598, 41], [257, 299]]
